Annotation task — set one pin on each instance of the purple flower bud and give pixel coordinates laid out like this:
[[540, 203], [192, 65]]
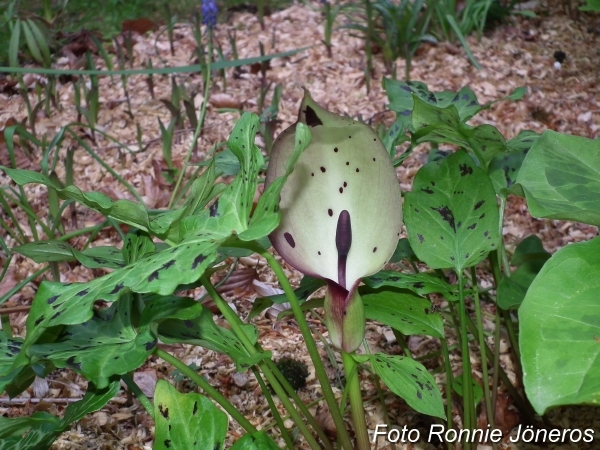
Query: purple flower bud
[[209, 13]]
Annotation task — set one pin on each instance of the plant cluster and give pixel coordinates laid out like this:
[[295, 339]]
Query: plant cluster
[[398, 28]]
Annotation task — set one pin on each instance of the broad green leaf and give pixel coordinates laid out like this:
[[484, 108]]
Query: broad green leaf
[[561, 178], [42, 428], [187, 421], [57, 304], [408, 379], [512, 290], [529, 249], [457, 385], [255, 441], [443, 125], [201, 330], [419, 283], [452, 215], [104, 346], [559, 324], [400, 94], [403, 251], [9, 348], [55, 250], [504, 167], [407, 313], [137, 245]]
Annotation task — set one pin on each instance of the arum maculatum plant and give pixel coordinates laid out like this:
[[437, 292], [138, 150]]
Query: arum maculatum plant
[[341, 218]]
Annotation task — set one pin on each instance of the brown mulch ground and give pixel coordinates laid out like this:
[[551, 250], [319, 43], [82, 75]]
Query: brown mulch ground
[[519, 53]]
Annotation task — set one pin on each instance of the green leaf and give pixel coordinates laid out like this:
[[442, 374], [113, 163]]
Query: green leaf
[[42, 428], [419, 283], [14, 44], [512, 290], [561, 178], [55, 250], [451, 215], [408, 379], [137, 245], [559, 322], [201, 330], [104, 346], [407, 313], [57, 304], [529, 249], [187, 421], [403, 251], [457, 385], [443, 125], [255, 441]]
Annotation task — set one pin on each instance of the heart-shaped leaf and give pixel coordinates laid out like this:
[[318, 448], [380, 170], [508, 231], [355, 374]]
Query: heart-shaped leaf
[[451, 215], [561, 178], [559, 322], [187, 421], [408, 379], [404, 312]]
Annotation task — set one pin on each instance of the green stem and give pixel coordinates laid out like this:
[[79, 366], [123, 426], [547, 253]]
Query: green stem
[[206, 387], [336, 414], [449, 378], [356, 404], [523, 405], [135, 389], [466, 362], [278, 419], [234, 321], [489, 407]]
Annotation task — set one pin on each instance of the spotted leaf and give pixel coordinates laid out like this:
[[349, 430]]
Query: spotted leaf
[[452, 214], [101, 347], [55, 250], [203, 331], [187, 421], [408, 379], [419, 283]]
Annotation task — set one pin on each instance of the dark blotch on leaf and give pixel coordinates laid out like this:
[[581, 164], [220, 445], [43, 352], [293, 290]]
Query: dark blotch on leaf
[[40, 320], [168, 264], [116, 289], [198, 260], [150, 345], [447, 215], [289, 239], [421, 238], [472, 227], [52, 299], [214, 209], [427, 190], [153, 276], [312, 120], [478, 205], [465, 170], [163, 411], [167, 443], [71, 362], [82, 293], [195, 408]]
